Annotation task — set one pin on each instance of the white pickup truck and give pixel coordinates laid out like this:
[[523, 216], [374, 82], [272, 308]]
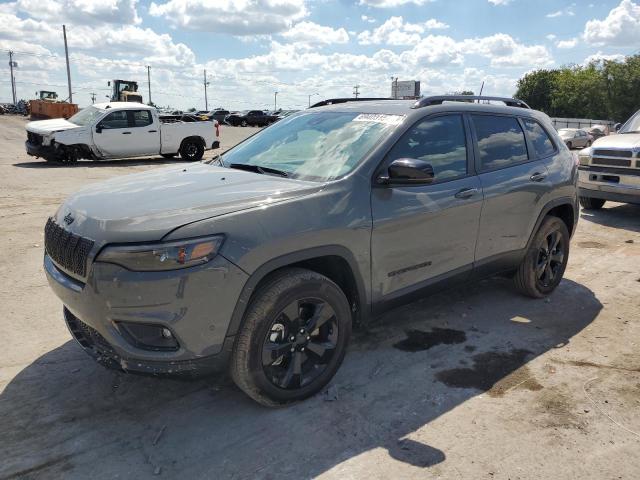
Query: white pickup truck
[[610, 168], [119, 130]]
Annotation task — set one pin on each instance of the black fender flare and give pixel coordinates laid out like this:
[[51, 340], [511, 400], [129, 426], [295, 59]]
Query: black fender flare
[[556, 202], [364, 307]]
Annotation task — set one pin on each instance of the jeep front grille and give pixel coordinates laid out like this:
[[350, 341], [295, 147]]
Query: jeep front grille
[[68, 250]]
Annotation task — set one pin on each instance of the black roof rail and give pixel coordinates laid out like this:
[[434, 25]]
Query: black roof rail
[[333, 101], [438, 100]]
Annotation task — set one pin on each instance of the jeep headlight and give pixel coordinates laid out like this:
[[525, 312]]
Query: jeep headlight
[[164, 255]]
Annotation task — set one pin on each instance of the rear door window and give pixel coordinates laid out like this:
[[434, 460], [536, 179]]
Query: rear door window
[[501, 141], [539, 138], [142, 118]]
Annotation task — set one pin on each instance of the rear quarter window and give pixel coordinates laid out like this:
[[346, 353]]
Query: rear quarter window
[[539, 138], [501, 141]]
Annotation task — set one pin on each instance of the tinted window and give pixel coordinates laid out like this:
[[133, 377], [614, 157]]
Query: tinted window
[[116, 120], [142, 118], [500, 141], [439, 141], [542, 144]]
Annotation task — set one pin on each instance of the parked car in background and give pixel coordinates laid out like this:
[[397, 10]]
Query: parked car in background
[[264, 259], [598, 131], [575, 137], [610, 168], [119, 130], [253, 118]]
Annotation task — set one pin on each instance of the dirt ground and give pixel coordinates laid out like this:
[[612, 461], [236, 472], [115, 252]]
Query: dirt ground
[[473, 383]]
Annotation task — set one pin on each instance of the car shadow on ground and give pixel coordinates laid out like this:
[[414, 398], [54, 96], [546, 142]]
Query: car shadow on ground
[[101, 163], [626, 216], [65, 416]]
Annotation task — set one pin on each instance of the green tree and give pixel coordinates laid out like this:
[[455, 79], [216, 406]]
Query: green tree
[[537, 89]]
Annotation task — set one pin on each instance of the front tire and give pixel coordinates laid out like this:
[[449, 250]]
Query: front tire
[[293, 338], [545, 261], [192, 150], [243, 123], [589, 203]]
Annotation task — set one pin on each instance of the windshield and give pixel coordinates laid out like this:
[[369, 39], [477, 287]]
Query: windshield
[[632, 125], [316, 146], [86, 116]]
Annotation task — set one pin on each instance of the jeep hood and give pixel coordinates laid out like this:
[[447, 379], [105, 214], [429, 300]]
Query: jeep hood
[[627, 141], [147, 206], [45, 127]]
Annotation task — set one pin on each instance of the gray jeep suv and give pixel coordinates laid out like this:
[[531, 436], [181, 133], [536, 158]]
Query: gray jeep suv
[[263, 259]]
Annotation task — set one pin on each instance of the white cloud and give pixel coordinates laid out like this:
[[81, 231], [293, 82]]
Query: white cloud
[[601, 56], [500, 2], [504, 51], [551, 37], [564, 12], [87, 12], [234, 17], [392, 3], [571, 43], [620, 28], [366, 18], [312, 33], [395, 31]]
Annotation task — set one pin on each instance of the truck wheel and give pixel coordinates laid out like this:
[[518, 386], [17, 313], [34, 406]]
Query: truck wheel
[[589, 203], [244, 123], [293, 338], [192, 150], [545, 261]]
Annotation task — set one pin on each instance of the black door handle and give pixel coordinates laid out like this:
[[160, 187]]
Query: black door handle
[[153, 131], [466, 193], [126, 133], [538, 177]]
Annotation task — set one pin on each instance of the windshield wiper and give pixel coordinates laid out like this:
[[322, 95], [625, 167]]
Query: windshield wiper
[[258, 169]]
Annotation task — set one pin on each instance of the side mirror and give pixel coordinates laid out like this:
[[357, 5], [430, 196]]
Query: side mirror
[[617, 126], [99, 128], [408, 171]]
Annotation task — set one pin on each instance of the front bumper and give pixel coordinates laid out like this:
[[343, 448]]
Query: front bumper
[[615, 184], [195, 304], [38, 150]]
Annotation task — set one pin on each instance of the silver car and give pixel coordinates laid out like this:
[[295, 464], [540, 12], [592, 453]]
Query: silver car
[[263, 260], [575, 137]]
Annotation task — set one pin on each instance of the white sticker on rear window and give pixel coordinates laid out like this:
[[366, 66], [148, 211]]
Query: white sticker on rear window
[[379, 118]]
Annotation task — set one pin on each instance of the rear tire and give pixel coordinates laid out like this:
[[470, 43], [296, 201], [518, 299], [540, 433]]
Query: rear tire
[[243, 123], [589, 203], [546, 259], [192, 150], [293, 338]]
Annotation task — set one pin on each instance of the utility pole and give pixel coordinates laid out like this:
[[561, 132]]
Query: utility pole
[[93, 97], [206, 100], [355, 90], [66, 54], [149, 83], [275, 101], [13, 80]]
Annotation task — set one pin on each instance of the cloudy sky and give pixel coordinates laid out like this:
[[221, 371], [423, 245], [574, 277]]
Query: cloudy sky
[[252, 48]]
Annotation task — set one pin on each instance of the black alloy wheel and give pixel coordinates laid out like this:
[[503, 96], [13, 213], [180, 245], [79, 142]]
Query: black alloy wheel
[[550, 259], [300, 343]]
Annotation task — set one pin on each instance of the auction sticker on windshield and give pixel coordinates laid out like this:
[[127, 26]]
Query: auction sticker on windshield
[[379, 118]]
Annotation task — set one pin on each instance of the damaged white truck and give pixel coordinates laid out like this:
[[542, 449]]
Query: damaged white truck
[[119, 130]]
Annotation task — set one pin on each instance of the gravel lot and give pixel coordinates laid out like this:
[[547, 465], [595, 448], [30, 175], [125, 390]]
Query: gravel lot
[[474, 383]]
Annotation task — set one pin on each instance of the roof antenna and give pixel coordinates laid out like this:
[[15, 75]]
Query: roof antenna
[[481, 88]]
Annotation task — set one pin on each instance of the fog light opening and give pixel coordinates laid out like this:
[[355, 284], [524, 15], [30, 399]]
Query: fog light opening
[[148, 336]]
